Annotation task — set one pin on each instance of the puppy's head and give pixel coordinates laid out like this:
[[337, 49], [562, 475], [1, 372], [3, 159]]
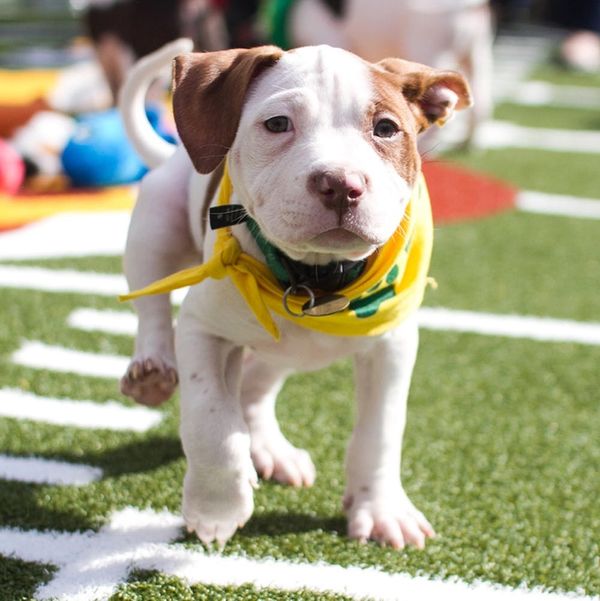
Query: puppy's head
[[322, 144]]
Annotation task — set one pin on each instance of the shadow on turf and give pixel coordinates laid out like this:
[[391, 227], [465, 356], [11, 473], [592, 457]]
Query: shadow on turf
[[276, 523]]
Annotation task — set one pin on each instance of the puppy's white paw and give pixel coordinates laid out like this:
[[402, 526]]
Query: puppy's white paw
[[390, 519], [215, 509], [150, 381], [274, 457]]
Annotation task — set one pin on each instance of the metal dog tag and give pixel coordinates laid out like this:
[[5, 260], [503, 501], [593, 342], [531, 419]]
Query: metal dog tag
[[325, 305]]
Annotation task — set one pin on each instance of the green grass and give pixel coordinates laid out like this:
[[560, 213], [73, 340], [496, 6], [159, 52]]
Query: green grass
[[153, 586], [546, 171], [566, 77], [550, 117], [519, 263], [487, 451]]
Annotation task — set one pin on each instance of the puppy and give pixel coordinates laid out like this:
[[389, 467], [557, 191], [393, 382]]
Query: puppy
[[318, 249]]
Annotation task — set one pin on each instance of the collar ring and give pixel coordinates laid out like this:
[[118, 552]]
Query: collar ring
[[293, 289]]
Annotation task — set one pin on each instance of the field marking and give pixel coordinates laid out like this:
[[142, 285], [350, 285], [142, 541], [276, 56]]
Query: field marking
[[58, 358], [111, 415], [558, 204], [106, 321], [502, 134], [69, 281], [542, 93], [61, 280], [47, 471], [430, 318], [91, 566], [513, 326], [68, 235]]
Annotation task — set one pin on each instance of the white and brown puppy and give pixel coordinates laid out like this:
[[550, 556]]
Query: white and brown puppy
[[322, 154]]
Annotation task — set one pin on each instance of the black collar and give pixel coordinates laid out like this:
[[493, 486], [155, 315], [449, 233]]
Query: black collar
[[289, 273]]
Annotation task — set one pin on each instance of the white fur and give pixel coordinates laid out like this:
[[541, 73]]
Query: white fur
[[230, 369], [446, 34]]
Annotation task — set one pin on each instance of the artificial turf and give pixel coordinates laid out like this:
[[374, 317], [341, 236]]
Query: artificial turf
[[500, 450]]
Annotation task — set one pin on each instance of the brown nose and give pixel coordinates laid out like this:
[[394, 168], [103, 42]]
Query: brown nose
[[337, 190]]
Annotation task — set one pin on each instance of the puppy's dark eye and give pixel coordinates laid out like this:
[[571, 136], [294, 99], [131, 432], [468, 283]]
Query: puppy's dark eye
[[385, 128], [278, 124]]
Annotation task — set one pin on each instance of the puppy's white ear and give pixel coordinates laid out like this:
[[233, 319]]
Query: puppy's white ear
[[433, 95], [209, 89]]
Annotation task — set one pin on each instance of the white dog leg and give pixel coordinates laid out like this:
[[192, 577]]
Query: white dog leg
[[219, 482], [273, 455], [375, 502], [158, 244]]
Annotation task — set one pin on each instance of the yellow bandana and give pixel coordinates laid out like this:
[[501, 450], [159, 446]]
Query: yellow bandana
[[390, 288]]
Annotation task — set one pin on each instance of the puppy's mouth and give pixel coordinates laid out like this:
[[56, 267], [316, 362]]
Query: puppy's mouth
[[340, 238]]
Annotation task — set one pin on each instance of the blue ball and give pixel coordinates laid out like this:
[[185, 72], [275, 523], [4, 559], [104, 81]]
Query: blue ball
[[99, 152]]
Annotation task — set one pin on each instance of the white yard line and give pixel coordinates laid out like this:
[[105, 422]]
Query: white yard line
[[557, 204], [68, 281], [512, 326], [61, 280], [91, 566], [57, 358], [109, 322], [541, 93], [430, 318], [47, 471], [68, 235], [111, 415], [501, 134]]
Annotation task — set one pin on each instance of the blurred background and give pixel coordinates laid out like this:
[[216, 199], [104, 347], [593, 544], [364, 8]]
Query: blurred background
[[63, 62]]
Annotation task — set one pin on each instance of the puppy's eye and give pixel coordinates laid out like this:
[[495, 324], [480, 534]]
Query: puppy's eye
[[278, 124], [385, 128]]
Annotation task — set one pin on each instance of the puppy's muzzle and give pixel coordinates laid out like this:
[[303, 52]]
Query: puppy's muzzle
[[338, 190]]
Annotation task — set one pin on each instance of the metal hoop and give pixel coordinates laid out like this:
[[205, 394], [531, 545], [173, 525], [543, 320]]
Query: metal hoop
[[292, 290]]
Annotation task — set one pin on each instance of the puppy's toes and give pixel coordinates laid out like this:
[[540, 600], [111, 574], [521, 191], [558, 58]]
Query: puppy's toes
[[275, 458], [149, 381]]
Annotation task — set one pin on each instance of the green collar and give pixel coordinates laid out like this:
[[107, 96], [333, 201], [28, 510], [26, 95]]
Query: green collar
[[329, 278]]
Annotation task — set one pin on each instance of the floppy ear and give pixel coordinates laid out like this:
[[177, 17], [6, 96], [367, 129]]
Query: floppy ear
[[432, 95], [208, 95]]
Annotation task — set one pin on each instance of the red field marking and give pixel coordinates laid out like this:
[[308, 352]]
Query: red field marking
[[458, 194]]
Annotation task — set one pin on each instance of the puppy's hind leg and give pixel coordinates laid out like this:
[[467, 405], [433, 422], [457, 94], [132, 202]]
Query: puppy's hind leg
[[158, 244], [273, 455]]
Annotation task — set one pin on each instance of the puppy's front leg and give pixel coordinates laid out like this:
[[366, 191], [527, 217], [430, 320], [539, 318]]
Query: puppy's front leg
[[218, 485], [375, 502]]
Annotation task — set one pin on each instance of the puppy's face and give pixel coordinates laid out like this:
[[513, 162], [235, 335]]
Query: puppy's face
[[324, 153]]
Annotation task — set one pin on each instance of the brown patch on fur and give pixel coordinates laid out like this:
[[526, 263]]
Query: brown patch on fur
[[419, 83], [209, 93], [415, 97], [400, 150]]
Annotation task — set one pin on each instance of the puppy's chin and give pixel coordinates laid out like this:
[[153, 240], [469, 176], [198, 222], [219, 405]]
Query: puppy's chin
[[336, 244]]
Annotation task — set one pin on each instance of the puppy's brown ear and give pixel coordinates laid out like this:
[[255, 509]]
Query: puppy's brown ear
[[432, 95], [209, 92]]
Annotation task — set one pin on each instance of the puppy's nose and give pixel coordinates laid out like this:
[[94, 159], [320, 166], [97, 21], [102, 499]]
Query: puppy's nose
[[338, 190]]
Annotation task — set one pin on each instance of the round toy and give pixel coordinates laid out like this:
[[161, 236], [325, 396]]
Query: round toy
[[99, 153]]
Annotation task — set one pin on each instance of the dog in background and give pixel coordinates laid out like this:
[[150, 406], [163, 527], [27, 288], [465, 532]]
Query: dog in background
[[123, 31]]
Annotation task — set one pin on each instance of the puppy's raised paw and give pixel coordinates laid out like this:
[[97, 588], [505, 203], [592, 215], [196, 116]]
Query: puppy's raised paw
[[149, 381]]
